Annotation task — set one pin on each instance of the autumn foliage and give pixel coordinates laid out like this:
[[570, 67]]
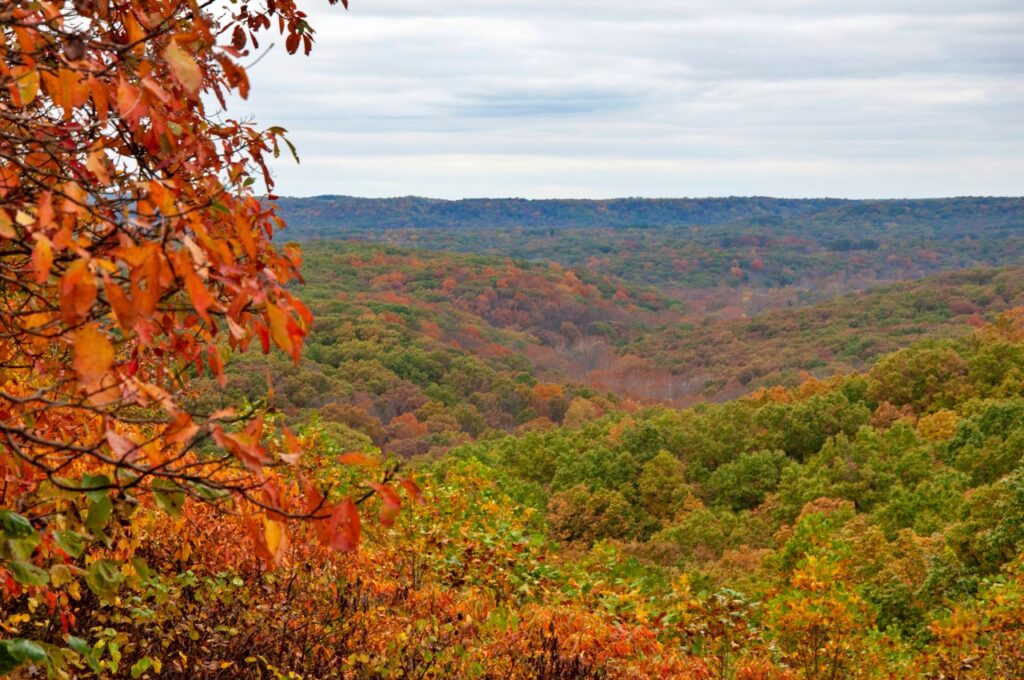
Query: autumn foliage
[[182, 494], [136, 255]]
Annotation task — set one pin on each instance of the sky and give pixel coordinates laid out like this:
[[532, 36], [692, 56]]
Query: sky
[[656, 98]]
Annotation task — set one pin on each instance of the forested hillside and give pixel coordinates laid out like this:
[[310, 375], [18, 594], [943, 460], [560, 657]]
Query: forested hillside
[[516, 440], [863, 527], [799, 251]]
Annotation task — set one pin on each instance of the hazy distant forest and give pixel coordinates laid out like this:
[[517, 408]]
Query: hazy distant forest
[[331, 437]]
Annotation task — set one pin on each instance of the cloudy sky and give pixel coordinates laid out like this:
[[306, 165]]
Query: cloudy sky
[[595, 98]]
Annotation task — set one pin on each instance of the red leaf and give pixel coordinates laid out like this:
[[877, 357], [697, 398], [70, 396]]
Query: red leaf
[[391, 503], [413, 489], [344, 525]]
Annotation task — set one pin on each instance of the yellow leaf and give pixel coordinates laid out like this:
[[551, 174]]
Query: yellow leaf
[[6, 226], [28, 84], [273, 533], [183, 67]]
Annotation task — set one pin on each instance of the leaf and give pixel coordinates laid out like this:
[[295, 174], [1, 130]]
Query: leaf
[[21, 538], [28, 84], [77, 292], [15, 652], [14, 525], [344, 526], [391, 503], [79, 645], [125, 449], [141, 568], [99, 513], [275, 537], [141, 666], [28, 574], [169, 496], [94, 355], [413, 489], [183, 67], [123, 307], [82, 647], [42, 258], [70, 542], [104, 577], [357, 458], [101, 484], [129, 103], [244, 447], [278, 321]]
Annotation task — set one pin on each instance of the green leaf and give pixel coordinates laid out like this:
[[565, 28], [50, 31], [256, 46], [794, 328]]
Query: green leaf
[[15, 526], [209, 494], [99, 482], [99, 513], [70, 542], [82, 647], [79, 645], [26, 650], [104, 577], [28, 574], [169, 496], [20, 538], [15, 652], [141, 666], [141, 568]]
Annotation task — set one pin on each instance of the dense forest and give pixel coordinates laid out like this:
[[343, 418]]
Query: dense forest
[[731, 439], [862, 525], [800, 249]]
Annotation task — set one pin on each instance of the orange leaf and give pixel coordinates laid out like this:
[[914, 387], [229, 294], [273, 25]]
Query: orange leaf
[[183, 67], [77, 292], [181, 429], [276, 538], [413, 489], [344, 525], [96, 163], [129, 102], [357, 458], [123, 307], [42, 258], [278, 321], [294, 447], [93, 355], [244, 447], [391, 503]]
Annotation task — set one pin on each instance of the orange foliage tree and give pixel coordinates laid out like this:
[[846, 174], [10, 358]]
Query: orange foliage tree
[[135, 253]]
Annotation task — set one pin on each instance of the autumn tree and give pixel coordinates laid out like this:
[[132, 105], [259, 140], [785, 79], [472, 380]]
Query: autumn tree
[[136, 252]]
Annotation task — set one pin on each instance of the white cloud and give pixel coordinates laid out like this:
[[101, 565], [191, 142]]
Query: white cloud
[[652, 97]]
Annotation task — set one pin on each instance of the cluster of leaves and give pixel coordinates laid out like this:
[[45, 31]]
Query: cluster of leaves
[[134, 254]]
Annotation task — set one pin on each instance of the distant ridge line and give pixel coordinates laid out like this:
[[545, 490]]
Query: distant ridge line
[[323, 215]]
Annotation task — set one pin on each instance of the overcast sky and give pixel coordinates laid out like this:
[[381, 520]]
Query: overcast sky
[[595, 98]]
